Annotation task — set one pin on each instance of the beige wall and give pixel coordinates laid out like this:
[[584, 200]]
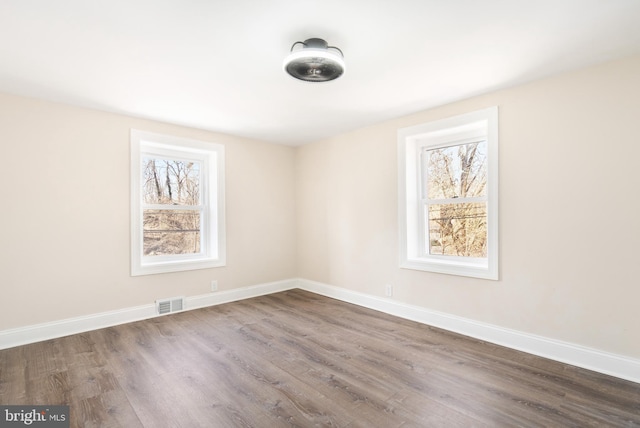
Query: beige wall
[[64, 187], [569, 212]]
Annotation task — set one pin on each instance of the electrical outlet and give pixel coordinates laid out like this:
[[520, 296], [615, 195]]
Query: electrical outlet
[[214, 285], [388, 290]]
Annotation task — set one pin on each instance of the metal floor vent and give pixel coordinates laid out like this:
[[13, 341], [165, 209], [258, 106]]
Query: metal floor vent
[[170, 305]]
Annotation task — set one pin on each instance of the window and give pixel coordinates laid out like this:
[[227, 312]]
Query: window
[[448, 187], [177, 204]]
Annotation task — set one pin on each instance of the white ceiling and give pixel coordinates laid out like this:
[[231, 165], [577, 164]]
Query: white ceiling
[[217, 64]]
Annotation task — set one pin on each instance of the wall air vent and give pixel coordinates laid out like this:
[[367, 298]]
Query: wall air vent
[[169, 305]]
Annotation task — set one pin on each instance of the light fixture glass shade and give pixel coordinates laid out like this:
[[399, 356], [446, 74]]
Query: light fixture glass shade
[[315, 62]]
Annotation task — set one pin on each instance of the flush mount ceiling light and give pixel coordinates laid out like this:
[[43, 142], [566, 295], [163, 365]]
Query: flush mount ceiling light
[[315, 62]]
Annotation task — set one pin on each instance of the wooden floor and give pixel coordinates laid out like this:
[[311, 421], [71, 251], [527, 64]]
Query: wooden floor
[[299, 359]]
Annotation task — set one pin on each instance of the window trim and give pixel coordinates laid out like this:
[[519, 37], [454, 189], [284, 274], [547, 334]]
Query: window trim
[[213, 243], [440, 133]]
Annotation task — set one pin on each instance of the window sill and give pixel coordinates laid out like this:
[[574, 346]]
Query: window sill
[[176, 266], [474, 270]]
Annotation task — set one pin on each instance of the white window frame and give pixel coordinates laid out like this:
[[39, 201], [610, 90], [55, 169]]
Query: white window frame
[[212, 233], [412, 142]]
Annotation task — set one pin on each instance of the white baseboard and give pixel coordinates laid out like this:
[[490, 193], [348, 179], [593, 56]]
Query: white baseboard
[[220, 297], [51, 330], [576, 355]]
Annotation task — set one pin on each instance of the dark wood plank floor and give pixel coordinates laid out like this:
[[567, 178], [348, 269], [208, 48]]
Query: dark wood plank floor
[[299, 359]]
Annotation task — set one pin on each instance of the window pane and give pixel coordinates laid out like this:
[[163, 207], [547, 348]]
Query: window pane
[[173, 182], [457, 171], [167, 232], [458, 229]]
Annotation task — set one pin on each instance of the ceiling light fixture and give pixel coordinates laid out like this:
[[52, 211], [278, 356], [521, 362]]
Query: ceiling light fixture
[[315, 62]]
